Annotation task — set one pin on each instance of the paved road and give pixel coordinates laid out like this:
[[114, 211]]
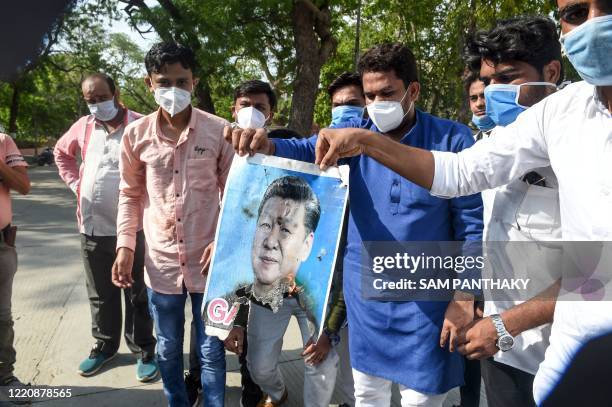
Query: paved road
[[52, 320]]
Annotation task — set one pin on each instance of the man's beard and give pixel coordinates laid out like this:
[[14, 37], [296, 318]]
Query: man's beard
[[274, 294]]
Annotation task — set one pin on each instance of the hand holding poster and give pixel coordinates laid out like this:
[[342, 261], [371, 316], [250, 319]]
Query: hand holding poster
[[277, 237]]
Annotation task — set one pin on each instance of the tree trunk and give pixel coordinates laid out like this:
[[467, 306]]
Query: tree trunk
[[204, 99], [313, 46], [14, 111]]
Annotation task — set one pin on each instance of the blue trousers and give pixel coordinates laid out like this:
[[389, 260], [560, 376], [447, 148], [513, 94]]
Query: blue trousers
[[168, 311]]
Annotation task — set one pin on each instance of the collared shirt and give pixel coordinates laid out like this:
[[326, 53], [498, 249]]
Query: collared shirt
[[11, 156], [571, 131], [399, 341], [179, 184], [520, 212], [96, 181]]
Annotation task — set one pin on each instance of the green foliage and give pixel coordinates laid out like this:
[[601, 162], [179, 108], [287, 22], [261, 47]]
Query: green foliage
[[236, 40]]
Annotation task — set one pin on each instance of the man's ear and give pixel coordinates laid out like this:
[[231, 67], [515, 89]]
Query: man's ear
[[307, 246], [552, 71], [414, 89], [118, 101], [196, 80], [149, 83], [233, 111], [270, 117]]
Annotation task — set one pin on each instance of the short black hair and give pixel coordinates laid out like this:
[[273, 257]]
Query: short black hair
[[530, 39], [296, 189], [389, 57], [345, 79], [253, 87], [164, 53], [468, 79], [104, 77]]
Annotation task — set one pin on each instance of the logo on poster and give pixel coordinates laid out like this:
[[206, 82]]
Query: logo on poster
[[219, 311]]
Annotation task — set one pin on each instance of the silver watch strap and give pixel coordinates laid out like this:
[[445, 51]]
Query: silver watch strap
[[499, 325]]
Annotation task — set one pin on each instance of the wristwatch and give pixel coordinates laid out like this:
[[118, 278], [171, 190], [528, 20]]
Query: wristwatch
[[505, 341]]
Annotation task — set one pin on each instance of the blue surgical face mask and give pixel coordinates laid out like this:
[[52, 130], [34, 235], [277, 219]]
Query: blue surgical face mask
[[502, 101], [484, 122], [589, 49], [345, 113]]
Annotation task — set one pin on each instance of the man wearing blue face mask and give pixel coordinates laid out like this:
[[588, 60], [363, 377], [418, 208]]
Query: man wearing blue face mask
[[518, 51], [346, 94], [474, 88], [402, 342], [571, 131], [347, 100]]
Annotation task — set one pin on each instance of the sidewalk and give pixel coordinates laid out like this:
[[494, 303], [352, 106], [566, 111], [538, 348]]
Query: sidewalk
[[52, 319]]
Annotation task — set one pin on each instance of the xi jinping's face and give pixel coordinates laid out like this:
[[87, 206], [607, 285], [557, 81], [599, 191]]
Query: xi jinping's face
[[282, 241]]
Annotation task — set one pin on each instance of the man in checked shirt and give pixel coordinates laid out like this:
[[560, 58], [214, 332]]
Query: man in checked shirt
[[174, 163]]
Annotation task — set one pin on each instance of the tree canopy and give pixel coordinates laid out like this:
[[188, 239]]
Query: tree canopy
[[298, 46]]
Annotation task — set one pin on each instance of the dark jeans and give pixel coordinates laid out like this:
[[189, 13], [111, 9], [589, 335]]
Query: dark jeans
[[251, 393], [99, 254], [8, 268], [470, 391], [507, 386]]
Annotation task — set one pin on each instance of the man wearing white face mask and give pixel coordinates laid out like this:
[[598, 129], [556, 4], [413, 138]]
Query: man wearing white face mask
[[174, 164], [96, 184], [400, 342], [254, 104]]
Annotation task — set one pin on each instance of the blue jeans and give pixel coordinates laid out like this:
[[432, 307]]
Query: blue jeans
[[168, 311]]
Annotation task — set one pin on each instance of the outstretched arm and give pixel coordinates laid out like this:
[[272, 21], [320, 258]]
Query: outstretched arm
[[508, 154]]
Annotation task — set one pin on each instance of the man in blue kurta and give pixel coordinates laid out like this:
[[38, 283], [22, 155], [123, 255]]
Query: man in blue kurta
[[394, 342]]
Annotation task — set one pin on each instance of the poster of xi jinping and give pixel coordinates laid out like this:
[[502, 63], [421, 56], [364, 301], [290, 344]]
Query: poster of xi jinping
[[277, 236]]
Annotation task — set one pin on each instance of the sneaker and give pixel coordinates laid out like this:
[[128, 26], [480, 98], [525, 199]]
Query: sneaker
[[266, 401], [146, 369], [94, 362], [10, 387], [194, 388]]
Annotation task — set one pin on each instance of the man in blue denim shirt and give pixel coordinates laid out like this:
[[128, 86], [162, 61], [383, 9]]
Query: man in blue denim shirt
[[395, 342]]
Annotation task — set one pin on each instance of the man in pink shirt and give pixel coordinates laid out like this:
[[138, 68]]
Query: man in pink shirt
[[13, 175], [174, 164], [96, 184]]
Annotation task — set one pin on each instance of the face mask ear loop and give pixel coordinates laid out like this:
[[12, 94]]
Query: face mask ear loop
[[518, 92], [405, 93], [403, 97]]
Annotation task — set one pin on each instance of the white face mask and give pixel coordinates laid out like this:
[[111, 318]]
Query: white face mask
[[249, 117], [387, 115], [104, 111], [172, 100]]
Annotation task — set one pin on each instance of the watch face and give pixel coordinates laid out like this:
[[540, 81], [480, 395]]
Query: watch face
[[505, 343]]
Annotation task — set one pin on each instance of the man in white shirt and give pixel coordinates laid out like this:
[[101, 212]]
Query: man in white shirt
[[519, 57], [96, 184], [571, 131]]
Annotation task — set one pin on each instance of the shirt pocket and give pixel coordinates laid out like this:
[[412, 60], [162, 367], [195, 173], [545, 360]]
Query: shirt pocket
[[415, 197], [538, 213]]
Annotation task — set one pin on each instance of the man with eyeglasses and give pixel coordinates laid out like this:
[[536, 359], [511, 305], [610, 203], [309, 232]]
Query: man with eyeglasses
[[571, 131]]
